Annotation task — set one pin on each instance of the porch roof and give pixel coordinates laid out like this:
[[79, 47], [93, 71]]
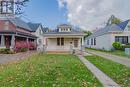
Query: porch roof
[[62, 34], [9, 32]]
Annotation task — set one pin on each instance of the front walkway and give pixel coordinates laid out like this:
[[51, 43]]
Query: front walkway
[[102, 77], [8, 58], [118, 59]]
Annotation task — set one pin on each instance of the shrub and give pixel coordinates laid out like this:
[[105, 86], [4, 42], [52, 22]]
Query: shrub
[[24, 49], [5, 51], [117, 45], [125, 46], [22, 46]]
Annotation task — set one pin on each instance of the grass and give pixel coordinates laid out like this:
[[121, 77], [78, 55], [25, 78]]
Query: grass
[[118, 72], [115, 52], [47, 70]]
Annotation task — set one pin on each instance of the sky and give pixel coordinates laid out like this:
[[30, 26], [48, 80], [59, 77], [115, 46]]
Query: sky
[[46, 12], [87, 14]]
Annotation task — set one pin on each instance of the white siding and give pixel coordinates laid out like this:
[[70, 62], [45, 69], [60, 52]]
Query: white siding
[[105, 41], [102, 42], [40, 37]]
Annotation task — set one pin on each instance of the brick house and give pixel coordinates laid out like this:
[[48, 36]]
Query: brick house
[[13, 30]]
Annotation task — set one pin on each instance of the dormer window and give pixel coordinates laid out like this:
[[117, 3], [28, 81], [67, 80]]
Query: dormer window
[[64, 29]]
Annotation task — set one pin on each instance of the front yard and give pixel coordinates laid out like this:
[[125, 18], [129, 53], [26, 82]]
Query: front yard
[[47, 70], [115, 52], [118, 72]]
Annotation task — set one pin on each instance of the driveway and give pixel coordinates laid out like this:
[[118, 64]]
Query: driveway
[[7, 58], [118, 59]]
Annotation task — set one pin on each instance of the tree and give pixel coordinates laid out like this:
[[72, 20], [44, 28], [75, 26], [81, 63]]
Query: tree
[[12, 6], [113, 20], [87, 33], [19, 4]]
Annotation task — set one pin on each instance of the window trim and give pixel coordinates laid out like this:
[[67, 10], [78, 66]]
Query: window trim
[[121, 39], [60, 41]]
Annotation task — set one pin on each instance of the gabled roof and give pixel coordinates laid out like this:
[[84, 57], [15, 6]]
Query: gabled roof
[[112, 28], [34, 26], [19, 23]]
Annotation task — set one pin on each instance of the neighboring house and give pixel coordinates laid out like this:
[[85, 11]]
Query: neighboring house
[[13, 30], [103, 38], [38, 30], [63, 39]]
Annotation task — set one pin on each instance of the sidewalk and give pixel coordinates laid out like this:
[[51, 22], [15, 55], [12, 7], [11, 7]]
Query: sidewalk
[[103, 78], [7, 58], [118, 59]]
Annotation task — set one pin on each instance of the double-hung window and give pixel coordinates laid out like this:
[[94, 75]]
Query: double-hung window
[[60, 41]]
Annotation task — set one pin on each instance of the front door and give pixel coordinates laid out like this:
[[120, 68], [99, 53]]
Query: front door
[[7, 41], [75, 43]]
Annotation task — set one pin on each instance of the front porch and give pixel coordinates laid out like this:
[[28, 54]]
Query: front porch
[[64, 44], [10, 40]]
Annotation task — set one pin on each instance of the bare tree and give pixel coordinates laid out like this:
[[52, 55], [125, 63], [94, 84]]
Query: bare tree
[[19, 4]]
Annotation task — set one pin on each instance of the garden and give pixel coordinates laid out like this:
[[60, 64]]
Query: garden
[[48, 70]]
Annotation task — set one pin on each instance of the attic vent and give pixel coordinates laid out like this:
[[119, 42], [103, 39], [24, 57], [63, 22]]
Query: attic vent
[[6, 25]]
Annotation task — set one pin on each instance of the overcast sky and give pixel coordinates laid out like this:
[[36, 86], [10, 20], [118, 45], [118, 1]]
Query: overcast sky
[[93, 13], [87, 14]]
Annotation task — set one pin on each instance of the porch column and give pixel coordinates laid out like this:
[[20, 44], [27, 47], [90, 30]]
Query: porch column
[[82, 44], [12, 41], [2, 41], [27, 40]]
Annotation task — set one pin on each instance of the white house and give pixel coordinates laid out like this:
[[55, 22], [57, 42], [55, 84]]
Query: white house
[[103, 38], [37, 30], [63, 39]]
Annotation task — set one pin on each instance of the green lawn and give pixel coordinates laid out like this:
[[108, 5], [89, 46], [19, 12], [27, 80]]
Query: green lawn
[[116, 52], [118, 72], [47, 70]]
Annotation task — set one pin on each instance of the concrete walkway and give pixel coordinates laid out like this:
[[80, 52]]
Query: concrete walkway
[[103, 78], [8, 58], [118, 59]]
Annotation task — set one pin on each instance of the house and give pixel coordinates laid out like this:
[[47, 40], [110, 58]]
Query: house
[[38, 30], [63, 39], [13, 30], [103, 38]]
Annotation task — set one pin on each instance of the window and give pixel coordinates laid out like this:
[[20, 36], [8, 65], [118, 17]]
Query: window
[[75, 43], [94, 41], [40, 41], [60, 41], [121, 39], [6, 26], [91, 41], [129, 27], [87, 42]]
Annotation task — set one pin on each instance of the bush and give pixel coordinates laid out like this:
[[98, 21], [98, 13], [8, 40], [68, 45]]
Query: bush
[[5, 51], [125, 46], [117, 45], [24, 49]]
